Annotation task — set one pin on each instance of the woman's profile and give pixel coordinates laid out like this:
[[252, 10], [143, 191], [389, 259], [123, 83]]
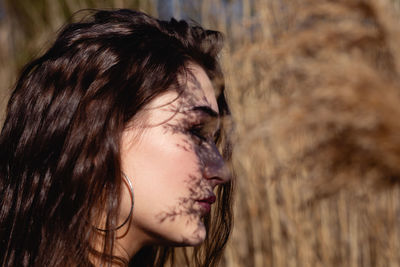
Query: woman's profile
[[114, 146]]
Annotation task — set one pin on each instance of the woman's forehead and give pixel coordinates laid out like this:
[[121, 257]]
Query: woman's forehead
[[197, 91], [200, 86]]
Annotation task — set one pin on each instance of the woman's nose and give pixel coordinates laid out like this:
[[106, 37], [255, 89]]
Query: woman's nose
[[215, 169]]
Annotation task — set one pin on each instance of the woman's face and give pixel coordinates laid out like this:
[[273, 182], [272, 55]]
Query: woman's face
[[173, 165]]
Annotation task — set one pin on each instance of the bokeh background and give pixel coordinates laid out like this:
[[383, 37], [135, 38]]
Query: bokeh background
[[314, 87]]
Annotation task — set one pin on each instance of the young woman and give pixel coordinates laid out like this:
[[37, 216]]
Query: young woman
[[110, 151]]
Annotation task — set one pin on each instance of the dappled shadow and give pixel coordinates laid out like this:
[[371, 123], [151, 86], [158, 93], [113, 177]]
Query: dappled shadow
[[196, 124]]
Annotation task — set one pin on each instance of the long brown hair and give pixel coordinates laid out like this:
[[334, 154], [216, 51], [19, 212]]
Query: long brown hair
[[59, 146]]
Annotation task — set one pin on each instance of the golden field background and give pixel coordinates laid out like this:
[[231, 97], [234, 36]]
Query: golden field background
[[314, 87]]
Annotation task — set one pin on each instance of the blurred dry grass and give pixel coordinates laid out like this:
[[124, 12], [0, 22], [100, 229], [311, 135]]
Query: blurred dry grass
[[317, 110], [315, 91]]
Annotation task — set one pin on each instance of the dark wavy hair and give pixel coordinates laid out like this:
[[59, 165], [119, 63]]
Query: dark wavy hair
[[59, 145]]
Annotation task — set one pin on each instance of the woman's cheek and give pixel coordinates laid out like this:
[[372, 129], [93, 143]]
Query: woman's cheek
[[163, 171]]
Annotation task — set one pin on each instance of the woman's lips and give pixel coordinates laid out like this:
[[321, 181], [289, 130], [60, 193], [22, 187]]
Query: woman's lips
[[206, 203]]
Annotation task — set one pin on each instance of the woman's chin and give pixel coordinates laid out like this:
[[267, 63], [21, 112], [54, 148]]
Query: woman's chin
[[193, 238], [198, 237]]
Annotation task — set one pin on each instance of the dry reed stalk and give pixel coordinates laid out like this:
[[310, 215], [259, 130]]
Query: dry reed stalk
[[318, 150]]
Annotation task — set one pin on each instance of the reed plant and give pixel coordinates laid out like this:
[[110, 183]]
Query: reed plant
[[316, 101]]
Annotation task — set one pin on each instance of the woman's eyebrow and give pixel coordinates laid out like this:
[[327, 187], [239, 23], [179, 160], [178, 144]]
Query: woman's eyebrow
[[206, 109]]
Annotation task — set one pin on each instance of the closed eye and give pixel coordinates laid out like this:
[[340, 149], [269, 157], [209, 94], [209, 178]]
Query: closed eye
[[205, 132], [217, 135], [199, 132], [207, 128]]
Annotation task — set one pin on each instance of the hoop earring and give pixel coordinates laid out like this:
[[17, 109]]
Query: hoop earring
[[130, 212]]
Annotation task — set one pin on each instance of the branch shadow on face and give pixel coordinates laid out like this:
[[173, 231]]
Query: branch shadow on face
[[197, 133]]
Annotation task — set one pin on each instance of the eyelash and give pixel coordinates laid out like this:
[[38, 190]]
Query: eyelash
[[198, 132], [202, 135]]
